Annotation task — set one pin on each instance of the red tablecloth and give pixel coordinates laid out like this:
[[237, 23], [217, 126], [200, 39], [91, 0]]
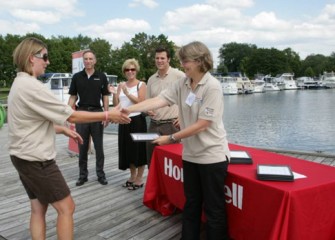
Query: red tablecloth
[[303, 209]]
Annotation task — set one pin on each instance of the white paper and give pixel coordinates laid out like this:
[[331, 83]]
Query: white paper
[[274, 170], [239, 154], [298, 175], [144, 136]]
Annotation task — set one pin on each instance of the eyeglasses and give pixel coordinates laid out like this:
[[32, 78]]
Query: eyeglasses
[[44, 56], [130, 69], [182, 62]]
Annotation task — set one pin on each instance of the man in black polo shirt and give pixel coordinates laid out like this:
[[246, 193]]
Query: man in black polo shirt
[[91, 88]]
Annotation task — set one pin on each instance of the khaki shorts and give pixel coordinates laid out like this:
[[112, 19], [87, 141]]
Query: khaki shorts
[[42, 180]]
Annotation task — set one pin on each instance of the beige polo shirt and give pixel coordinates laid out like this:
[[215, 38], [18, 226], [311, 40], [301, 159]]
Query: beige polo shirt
[[32, 110], [156, 85], [206, 102]]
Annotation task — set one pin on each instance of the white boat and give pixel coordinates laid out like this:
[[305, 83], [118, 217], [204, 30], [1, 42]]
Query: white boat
[[285, 81], [259, 85], [58, 83], [270, 84], [308, 83], [244, 85], [229, 85], [247, 86], [328, 80]]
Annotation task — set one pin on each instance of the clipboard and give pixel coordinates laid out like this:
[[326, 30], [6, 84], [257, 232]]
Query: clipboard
[[240, 157], [274, 172], [144, 137]]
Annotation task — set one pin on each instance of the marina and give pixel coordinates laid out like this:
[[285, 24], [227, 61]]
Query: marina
[[102, 212], [297, 120]]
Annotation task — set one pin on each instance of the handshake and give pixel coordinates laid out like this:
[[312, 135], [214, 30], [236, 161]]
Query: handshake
[[118, 115]]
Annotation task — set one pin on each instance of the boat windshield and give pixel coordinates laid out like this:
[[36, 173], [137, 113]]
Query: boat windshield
[[60, 83]]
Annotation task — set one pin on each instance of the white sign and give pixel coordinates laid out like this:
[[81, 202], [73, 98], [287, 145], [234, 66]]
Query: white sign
[[77, 61]]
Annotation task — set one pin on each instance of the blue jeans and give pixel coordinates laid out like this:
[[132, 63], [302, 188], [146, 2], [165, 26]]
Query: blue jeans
[[204, 189]]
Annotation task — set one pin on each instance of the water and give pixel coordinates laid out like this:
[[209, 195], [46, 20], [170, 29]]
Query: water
[[291, 120], [302, 120]]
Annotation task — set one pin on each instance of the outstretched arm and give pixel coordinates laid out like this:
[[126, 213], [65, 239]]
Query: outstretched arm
[[68, 132], [149, 104], [113, 115], [197, 127]]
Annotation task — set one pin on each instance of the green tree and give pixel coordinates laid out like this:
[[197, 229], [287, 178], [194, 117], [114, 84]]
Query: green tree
[[142, 47], [60, 52], [265, 61], [318, 62], [7, 69], [222, 69], [332, 61], [241, 57], [82, 42], [309, 72], [292, 61], [119, 55], [232, 54], [146, 46], [271, 61], [103, 51]]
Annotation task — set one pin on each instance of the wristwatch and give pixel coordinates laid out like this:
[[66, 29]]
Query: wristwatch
[[172, 139]]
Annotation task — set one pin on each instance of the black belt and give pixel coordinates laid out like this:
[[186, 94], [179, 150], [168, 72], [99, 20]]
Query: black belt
[[92, 109], [158, 122]]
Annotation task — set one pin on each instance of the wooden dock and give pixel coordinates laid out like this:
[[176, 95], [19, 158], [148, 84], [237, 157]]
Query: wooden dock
[[102, 212]]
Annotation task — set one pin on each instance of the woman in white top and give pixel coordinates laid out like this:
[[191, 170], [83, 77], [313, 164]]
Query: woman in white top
[[132, 154]]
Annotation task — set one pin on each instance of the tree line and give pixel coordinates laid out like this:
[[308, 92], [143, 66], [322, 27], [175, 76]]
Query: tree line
[[233, 57], [250, 60], [141, 47]]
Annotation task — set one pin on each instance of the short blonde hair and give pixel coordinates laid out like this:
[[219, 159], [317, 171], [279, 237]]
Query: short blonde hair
[[28, 47], [197, 51], [131, 61]]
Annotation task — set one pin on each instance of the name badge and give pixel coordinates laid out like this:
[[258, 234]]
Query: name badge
[[190, 99]]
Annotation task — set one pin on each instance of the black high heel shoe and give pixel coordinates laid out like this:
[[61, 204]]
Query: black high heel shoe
[[128, 184], [135, 187]]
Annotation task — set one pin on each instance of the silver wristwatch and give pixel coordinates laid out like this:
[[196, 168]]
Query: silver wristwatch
[[172, 139]]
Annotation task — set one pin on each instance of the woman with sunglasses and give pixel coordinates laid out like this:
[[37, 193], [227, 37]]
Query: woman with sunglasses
[[35, 115], [132, 154]]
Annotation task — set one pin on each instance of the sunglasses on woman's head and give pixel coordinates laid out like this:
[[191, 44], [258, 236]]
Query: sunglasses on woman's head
[[130, 69], [44, 56]]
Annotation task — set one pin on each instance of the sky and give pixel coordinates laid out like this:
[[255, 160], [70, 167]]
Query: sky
[[305, 26]]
